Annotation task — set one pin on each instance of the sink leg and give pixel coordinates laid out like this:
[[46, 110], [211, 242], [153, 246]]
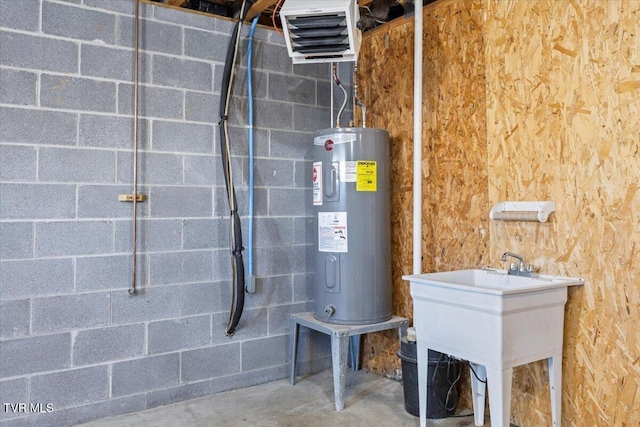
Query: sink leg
[[555, 386], [423, 359], [499, 382], [479, 390]]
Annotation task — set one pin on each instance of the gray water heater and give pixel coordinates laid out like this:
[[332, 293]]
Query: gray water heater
[[351, 178]]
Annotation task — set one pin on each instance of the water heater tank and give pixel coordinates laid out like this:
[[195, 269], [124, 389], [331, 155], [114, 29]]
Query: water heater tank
[[352, 225]]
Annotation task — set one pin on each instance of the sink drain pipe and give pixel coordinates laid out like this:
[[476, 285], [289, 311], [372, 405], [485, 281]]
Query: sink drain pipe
[[237, 264]]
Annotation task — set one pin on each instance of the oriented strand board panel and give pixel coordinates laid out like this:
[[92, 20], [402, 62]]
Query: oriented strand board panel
[[563, 122], [562, 115], [455, 198], [383, 58], [455, 140]]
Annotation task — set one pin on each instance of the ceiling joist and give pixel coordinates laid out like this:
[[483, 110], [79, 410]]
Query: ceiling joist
[[374, 14]]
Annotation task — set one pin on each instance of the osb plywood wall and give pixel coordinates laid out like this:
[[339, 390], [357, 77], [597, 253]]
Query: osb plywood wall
[[560, 122], [455, 199], [454, 138], [563, 115], [389, 101]]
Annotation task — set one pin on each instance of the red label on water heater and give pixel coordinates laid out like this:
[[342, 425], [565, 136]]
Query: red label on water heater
[[317, 183], [328, 145]]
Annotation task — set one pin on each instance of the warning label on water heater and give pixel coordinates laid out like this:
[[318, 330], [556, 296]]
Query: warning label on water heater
[[317, 183], [366, 175], [332, 232], [348, 171]]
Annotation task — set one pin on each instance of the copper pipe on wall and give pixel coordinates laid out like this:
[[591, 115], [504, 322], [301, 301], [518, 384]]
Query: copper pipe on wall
[[331, 66], [134, 263]]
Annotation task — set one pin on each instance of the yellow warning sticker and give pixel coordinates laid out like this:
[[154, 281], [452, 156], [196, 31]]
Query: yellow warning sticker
[[366, 175]]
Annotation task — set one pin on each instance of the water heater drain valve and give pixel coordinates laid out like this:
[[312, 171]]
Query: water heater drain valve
[[330, 310]]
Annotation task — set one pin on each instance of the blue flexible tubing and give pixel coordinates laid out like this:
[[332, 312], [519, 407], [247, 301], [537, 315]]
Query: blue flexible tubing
[[250, 89]]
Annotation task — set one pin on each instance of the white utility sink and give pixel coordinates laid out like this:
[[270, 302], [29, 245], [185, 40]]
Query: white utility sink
[[492, 281], [495, 321]]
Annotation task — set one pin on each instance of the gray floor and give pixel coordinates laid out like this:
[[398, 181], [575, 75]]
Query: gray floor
[[370, 401]]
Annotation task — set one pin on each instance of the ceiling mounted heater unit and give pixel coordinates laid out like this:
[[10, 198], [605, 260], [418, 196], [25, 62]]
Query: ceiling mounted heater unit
[[321, 31]]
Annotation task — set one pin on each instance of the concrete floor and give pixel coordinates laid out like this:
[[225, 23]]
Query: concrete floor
[[371, 400]]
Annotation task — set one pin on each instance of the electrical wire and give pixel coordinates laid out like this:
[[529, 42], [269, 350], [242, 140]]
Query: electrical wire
[[235, 235], [475, 374], [451, 365], [273, 17]]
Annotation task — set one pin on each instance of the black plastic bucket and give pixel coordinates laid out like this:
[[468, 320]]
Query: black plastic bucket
[[442, 395]]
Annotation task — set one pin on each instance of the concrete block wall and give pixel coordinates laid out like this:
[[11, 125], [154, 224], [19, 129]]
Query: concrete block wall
[[74, 345]]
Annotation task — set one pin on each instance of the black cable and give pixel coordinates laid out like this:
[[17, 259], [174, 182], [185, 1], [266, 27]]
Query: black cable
[[476, 375], [237, 263], [450, 365], [452, 384], [433, 382], [461, 415], [478, 378]]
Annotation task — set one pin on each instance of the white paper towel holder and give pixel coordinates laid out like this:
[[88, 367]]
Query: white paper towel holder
[[522, 211]]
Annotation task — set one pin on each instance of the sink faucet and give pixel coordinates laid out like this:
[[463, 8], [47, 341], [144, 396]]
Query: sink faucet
[[521, 270], [516, 256]]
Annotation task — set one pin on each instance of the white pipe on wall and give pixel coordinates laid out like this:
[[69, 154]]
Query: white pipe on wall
[[417, 140]]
